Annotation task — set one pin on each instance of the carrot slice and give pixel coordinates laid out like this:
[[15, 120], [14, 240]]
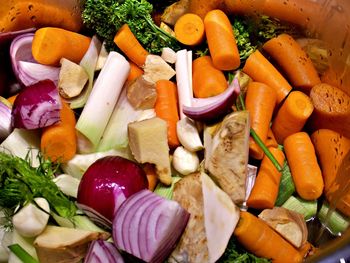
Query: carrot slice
[[189, 29]]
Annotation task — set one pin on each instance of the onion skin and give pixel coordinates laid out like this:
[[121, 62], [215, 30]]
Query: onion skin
[[108, 182], [101, 251], [37, 106]]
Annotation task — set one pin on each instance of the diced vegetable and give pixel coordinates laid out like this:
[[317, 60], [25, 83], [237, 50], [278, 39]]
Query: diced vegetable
[[307, 208], [148, 226], [156, 68], [103, 251], [141, 93]]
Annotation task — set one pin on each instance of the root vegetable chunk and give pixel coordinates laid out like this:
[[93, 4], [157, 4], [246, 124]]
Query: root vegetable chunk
[[148, 140]]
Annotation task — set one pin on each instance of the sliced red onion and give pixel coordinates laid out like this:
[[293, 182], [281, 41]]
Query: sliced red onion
[[213, 108], [95, 216], [37, 106], [7, 36], [5, 120], [24, 66], [148, 226], [101, 251], [107, 183]]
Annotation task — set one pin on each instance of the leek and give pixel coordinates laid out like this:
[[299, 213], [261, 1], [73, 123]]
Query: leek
[[286, 187], [307, 208], [334, 221], [104, 95]]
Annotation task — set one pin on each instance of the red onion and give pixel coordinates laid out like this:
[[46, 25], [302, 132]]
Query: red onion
[[101, 251], [7, 36], [213, 108], [24, 66], [37, 106], [106, 184], [5, 120], [148, 226]]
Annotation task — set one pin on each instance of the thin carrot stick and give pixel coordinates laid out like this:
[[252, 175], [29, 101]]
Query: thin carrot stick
[[166, 108], [59, 142], [131, 47], [265, 190], [221, 40], [261, 70], [260, 102], [294, 61], [257, 237], [305, 170], [189, 29], [292, 115]]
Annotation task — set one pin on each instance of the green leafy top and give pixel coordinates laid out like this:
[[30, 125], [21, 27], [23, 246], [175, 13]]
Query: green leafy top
[[105, 17], [20, 183]]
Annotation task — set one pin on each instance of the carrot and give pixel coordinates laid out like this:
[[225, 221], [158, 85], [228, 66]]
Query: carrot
[[292, 115], [59, 142], [258, 238], [332, 109], [127, 42], [331, 148], [305, 170], [294, 61], [201, 8], [271, 140], [19, 15], [221, 40], [265, 190], [135, 71], [166, 108], [50, 44], [189, 29], [12, 98], [151, 174], [207, 80], [260, 69], [260, 102]]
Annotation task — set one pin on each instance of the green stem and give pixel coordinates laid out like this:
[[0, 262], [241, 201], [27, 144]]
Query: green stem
[[22, 254]]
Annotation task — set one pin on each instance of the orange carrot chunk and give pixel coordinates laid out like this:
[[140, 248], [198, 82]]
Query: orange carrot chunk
[[258, 238], [221, 40], [207, 80], [189, 29], [166, 109], [260, 69], [260, 102], [265, 190], [305, 170], [135, 71], [151, 174], [131, 47], [50, 44], [271, 140], [292, 115], [294, 61]]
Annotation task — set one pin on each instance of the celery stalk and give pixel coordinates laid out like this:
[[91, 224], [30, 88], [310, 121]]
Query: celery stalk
[[104, 95], [22, 254], [307, 208]]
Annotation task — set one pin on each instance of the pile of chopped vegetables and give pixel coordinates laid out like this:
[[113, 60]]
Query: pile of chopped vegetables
[[166, 131]]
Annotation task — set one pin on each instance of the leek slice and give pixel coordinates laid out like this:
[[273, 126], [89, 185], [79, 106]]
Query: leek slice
[[307, 208], [334, 221]]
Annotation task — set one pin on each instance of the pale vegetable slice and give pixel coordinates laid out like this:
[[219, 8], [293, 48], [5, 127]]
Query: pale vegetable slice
[[141, 93], [169, 55], [67, 184], [156, 68]]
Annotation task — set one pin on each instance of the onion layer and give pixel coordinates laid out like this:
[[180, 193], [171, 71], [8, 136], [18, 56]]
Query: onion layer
[[5, 120], [37, 106], [148, 226], [101, 251]]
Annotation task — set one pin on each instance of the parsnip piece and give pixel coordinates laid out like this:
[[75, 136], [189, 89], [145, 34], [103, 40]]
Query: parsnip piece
[[289, 224], [173, 12], [72, 79], [167, 29], [156, 69], [148, 141], [61, 244], [141, 93], [226, 154]]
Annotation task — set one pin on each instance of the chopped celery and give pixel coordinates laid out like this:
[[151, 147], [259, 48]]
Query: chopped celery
[[333, 220], [287, 187], [166, 191], [307, 208]]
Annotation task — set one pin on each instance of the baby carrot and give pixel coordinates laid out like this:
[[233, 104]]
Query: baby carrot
[[189, 29], [271, 140], [294, 61], [260, 69], [260, 102], [305, 170], [258, 238], [265, 190], [221, 40], [135, 71], [207, 80], [166, 108], [50, 44], [58, 142], [292, 115], [128, 43]]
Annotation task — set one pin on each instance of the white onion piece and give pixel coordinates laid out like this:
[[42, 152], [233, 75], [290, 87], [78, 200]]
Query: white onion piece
[[5, 120], [25, 68], [148, 226], [101, 251]]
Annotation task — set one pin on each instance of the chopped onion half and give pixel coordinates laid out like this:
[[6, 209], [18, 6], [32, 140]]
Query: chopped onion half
[[5, 120], [37, 106], [148, 226], [25, 68], [101, 251]]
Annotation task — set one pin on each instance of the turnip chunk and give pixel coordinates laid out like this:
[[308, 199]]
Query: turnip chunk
[[104, 95]]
